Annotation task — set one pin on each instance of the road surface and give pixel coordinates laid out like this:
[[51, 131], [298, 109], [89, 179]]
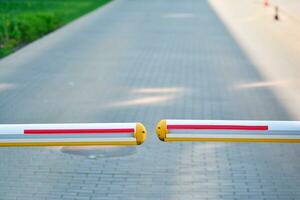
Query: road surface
[[142, 61]]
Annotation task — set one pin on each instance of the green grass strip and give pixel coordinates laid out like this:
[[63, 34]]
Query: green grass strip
[[23, 21]]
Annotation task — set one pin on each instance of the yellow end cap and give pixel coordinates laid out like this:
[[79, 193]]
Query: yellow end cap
[[140, 133], [161, 130]]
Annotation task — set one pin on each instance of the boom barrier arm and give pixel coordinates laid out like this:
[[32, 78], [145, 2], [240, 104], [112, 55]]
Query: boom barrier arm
[[72, 134], [228, 131]]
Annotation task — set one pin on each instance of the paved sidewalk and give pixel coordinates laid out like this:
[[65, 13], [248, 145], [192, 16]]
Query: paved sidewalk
[[142, 61]]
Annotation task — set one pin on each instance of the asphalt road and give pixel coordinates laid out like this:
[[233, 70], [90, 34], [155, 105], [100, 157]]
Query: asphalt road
[[139, 60]]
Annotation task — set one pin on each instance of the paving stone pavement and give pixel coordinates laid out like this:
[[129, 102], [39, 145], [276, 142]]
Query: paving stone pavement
[[142, 60]]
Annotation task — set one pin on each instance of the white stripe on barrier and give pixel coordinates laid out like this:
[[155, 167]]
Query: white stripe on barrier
[[273, 125], [70, 140], [232, 136], [19, 128]]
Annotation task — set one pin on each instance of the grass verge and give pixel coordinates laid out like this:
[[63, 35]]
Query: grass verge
[[23, 21]]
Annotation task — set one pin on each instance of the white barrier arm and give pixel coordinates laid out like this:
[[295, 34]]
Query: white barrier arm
[[72, 134], [228, 131]]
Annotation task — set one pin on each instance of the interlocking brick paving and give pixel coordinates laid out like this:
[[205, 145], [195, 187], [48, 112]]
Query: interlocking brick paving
[[139, 60]]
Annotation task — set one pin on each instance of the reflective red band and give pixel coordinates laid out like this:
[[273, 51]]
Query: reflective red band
[[219, 127], [79, 131]]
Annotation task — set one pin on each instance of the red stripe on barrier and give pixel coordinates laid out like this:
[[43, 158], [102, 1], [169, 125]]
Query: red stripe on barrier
[[219, 127], [79, 131]]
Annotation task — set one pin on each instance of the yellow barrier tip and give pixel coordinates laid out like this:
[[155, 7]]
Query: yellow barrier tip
[[140, 133], [161, 130]]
